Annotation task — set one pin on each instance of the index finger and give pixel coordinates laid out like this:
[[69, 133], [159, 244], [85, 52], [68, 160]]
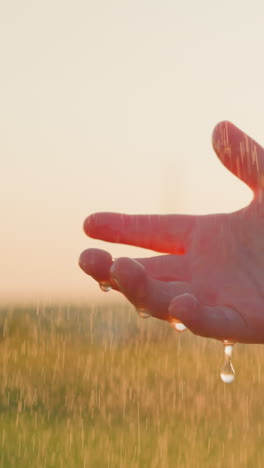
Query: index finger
[[161, 233]]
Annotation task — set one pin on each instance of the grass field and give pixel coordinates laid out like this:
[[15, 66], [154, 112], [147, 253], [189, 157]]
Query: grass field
[[99, 387]]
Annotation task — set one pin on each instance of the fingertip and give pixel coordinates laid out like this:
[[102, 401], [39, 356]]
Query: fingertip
[[104, 226], [220, 134], [184, 308], [96, 263], [240, 154], [89, 225], [81, 261], [221, 124]]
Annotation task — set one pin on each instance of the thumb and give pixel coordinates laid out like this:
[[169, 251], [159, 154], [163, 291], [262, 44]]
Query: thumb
[[240, 154]]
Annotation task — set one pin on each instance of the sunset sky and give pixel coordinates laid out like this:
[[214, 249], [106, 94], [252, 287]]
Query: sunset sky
[[110, 106]]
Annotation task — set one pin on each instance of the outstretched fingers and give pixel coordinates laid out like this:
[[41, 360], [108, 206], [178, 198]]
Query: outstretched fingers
[[162, 233], [219, 322], [97, 263], [240, 154], [166, 300], [144, 292]]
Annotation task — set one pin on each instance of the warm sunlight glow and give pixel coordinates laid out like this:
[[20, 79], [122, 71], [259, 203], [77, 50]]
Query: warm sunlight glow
[[110, 107]]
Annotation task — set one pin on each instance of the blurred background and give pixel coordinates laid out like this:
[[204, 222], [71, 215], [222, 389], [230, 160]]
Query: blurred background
[[109, 106]]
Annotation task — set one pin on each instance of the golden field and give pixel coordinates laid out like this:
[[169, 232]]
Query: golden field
[[93, 386]]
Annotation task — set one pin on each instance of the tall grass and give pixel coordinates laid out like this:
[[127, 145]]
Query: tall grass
[[99, 387]]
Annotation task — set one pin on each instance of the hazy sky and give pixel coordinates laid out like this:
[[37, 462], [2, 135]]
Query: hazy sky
[[109, 106]]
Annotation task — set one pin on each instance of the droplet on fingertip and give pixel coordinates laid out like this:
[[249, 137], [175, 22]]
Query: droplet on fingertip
[[143, 313], [105, 286], [178, 326]]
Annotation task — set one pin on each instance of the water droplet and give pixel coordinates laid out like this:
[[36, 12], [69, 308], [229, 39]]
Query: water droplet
[[179, 326], [105, 286], [227, 372], [143, 313]]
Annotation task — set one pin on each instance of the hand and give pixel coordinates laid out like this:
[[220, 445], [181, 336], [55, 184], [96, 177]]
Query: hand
[[213, 278]]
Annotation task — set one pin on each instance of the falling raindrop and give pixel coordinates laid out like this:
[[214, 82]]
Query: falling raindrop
[[105, 286], [179, 326], [227, 372], [143, 313]]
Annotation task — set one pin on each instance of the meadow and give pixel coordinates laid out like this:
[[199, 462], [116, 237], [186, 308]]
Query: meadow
[[96, 386]]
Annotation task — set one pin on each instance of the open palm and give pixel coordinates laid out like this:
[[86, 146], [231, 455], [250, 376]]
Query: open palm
[[213, 278]]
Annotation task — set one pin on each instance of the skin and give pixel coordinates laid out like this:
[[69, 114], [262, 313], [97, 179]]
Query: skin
[[212, 276]]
